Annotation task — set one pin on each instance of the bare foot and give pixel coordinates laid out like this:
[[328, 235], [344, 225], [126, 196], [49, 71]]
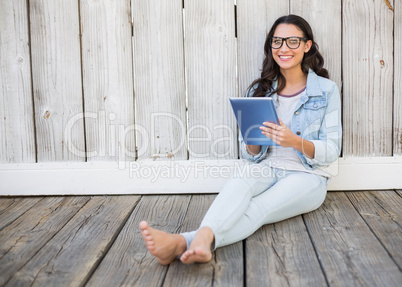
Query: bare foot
[[164, 246], [200, 248]]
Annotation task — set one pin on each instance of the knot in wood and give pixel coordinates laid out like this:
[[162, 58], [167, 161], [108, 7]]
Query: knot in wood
[[46, 115]]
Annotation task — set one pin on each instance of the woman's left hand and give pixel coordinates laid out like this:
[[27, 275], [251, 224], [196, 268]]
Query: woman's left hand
[[280, 134]]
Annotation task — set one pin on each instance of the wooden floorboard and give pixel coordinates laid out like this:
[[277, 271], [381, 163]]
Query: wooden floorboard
[[226, 267], [128, 263], [12, 208], [382, 212], [349, 252], [282, 254], [69, 258], [26, 236], [229, 266], [193, 274], [354, 239]]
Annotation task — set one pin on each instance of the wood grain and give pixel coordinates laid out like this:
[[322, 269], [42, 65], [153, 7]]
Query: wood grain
[[13, 207], [226, 267], [22, 239], [281, 254], [211, 78], [128, 262], [159, 82], [17, 136], [253, 24], [367, 47], [107, 79], [229, 266], [325, 19], [56, 78], [72, 255], [176, 61], [397, 78], [382, 211], [64, 241], [193, 274], [349, 252]]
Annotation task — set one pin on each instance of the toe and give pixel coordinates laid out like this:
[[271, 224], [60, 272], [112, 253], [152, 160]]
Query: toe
[[143, 225]]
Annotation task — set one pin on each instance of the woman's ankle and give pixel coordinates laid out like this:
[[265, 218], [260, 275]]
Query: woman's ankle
[[181, 244], [207, 234]]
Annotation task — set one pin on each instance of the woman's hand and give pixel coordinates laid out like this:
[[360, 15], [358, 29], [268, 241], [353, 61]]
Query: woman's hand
[[280, 134], [284, 137]]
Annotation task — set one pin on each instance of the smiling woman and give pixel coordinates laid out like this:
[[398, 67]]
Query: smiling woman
[[296, 184], [300, 51]]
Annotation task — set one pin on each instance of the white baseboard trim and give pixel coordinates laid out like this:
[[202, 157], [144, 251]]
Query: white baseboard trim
[[175, 177]]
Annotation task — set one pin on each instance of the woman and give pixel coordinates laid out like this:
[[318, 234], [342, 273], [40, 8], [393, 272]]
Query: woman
[[308, 137]]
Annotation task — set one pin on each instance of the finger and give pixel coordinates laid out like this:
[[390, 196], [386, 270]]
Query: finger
[[267, 129], [269, 124], [271, 132], [281, 123], [272, 137], [268, 134]]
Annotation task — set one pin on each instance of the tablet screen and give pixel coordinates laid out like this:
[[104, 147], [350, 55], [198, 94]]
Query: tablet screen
[[250, 113]]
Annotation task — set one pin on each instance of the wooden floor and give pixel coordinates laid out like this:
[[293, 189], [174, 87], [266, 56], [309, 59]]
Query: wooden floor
[[354, 239]]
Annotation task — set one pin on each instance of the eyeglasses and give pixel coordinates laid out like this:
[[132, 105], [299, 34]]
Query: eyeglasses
[[291, 42]]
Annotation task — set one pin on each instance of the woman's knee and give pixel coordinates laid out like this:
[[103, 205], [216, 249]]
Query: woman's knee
[[320, 193], [316, 192], [242, 186]]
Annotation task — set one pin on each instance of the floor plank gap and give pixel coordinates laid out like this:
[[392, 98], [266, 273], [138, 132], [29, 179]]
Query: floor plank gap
[[316, 252], [109, 246]]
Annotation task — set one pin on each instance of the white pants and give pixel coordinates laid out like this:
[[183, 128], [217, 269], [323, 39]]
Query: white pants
[[246, 204]]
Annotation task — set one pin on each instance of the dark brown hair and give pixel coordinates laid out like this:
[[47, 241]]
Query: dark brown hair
[[270, 69]]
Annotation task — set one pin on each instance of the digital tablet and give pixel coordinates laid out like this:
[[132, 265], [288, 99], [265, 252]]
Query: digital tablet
[[250, 113]]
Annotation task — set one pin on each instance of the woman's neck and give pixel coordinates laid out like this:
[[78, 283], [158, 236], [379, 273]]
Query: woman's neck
[[295, 80]]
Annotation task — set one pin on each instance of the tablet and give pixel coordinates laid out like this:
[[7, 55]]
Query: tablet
[[250, 113]]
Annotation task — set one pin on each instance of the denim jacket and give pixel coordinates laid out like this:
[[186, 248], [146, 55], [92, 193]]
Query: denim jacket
[[317, 118]]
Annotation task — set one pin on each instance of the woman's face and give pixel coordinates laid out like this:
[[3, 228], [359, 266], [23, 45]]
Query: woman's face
[[289, 59]]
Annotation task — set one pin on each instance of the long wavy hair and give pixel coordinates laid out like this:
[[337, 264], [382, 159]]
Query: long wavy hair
[[270, 69]]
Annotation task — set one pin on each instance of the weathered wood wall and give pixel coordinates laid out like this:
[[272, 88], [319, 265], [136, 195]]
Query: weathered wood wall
[[159, 82], [397, 127], [107, 77], [17, 130], [154, 77], [56, 78], [368, 77]]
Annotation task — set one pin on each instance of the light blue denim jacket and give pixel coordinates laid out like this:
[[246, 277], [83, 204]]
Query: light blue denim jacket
[[317, 118]]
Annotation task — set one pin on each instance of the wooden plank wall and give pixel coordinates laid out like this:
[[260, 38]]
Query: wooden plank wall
[[17, 135], [107, 78], [210, 39], [56, 78], [368, 77], [159, 80], [398, 75], [154, 78]]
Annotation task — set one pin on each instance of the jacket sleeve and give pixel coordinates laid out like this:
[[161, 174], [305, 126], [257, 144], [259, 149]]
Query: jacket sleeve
[[329, 144]]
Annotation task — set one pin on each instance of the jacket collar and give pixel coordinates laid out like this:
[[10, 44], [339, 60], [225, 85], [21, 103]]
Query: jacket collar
[[313, 86], [312, 89]]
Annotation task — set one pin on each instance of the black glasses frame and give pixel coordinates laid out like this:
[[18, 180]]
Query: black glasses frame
[[286, 40]]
